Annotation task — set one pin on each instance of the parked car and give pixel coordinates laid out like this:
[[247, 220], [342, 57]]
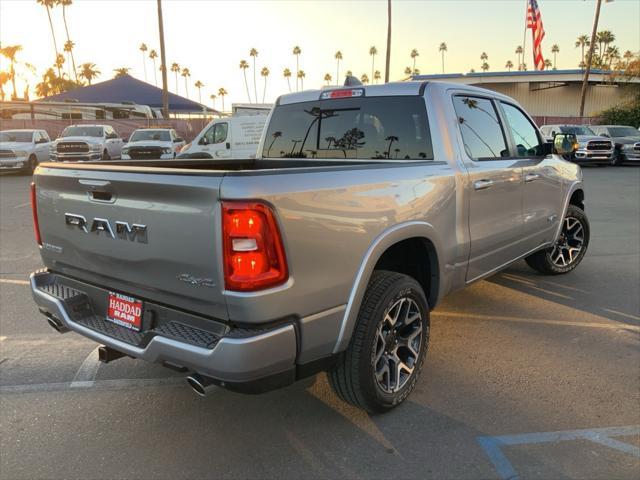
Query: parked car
[[83, 143], [626, 139], [153, 143], [22, 150], [592, 149], [364, 207], [227, 138]]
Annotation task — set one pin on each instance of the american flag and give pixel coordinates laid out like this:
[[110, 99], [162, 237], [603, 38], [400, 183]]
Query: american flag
[[534, 22]]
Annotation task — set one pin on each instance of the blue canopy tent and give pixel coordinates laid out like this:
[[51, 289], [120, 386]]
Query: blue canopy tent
[[129, 89]]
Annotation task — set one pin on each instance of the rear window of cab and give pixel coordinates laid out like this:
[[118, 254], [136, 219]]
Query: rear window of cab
[[378, 128]]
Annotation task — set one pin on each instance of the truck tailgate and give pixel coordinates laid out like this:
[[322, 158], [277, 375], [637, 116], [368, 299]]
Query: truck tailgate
[[171, 256]]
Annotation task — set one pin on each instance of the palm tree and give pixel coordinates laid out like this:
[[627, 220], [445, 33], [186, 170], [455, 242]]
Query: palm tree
[[153, 55], [442, 48], [583, 41], [68, 49], [89, 71], [264, 73], [519, 52], [65, 4], [49, 4], [221, 93], [175, 68], [121, 72], [414, 55], [254, 53], [547, 64], [243, 66], [377, 76], [4, 78], [213, 97], [613, 53], [59, 63], [327, 78], [143, 48], [509, 65], [199, 86], [628, 55], [275, 135], [186, 74], [338, 57], [416, 71], [390, 139], [297, 51], [349, 73], [364, 78], [408, 71], [485, 66], [286, 73], [555, 49], [373, 51], [605, 37], [10, 53], [301, 76]]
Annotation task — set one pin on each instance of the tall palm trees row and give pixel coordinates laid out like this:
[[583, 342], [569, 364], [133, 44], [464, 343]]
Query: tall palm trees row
[[69, 44]]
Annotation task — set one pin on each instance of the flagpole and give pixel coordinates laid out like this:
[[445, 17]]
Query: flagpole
[[524, 36]]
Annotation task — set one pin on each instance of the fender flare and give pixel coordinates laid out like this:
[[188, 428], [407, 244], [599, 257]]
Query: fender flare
[[577, 185], [378, 246]]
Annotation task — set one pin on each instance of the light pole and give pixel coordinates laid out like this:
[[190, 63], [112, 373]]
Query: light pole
[[163, 62], [388, 59]]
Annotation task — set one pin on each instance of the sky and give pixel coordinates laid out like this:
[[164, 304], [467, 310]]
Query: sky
[[211, 37]]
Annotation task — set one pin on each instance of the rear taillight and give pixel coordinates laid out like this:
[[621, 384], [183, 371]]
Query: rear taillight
[[254, 257], [34, 210]]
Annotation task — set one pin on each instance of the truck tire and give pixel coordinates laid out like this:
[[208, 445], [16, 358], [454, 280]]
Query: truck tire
[[570, 248], [105, 155], [387, 350]]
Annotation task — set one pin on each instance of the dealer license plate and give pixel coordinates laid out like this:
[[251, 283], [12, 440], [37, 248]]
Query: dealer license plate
[[125, 311]]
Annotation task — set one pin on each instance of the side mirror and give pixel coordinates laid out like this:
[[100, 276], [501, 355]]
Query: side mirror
[[125, 140], [178, 140], [203, 141], [565, 143]]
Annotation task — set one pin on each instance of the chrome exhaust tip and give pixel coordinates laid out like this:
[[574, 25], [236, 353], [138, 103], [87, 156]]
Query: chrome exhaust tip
[[201, 385], [56, 324]]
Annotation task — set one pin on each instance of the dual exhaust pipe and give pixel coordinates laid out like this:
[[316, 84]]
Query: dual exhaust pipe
[[202, 385]]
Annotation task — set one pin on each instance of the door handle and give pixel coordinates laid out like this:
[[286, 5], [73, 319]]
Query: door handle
[[530, 177], [482, 184]]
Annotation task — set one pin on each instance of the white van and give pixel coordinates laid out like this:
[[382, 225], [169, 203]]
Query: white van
[[232, 137]]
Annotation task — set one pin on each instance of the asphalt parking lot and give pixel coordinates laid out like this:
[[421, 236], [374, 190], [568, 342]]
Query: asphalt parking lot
[[526, 375]]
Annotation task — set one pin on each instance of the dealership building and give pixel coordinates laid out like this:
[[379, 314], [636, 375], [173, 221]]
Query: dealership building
[[552, 96]]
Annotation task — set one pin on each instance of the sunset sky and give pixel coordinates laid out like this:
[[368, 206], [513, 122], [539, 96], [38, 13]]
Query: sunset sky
[[211, 37]]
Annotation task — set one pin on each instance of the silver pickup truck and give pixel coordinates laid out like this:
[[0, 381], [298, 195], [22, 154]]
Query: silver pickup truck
[[364, 208]]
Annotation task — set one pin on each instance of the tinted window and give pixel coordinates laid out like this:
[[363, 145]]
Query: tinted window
[[576, 130], [82, 132], [353, 128], [480, 127], [217, 133], [524, 133], [141, 135], [623, 132]]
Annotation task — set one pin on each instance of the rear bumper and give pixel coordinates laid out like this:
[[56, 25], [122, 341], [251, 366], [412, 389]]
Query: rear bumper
[[228, 355]]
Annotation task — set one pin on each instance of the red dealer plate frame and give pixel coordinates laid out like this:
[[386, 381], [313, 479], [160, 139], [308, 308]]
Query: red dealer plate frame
[[124, 311]]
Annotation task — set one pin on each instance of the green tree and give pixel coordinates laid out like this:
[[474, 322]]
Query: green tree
[[373, 51], [582, 42], [65, 4], [509, 65], [485, 66], [221, 93], [301, 76], [243, 66], [338, 57], [555, 49], [297, 51], [175, 68], [186, 73], [143, 48], [199, 86], [264, 73], [49, 4], [547, 64], [286, 73], [89, 71], [414, 55], [408, 71], [68, 49], [377, 76], [519, 52], [364, 78], [153, 55], [253, 53], [53, 84], [10, 52], [442, 49], [121, 72], [327, 78]]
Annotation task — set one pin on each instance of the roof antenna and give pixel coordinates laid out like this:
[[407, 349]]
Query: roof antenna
[[352, 81]]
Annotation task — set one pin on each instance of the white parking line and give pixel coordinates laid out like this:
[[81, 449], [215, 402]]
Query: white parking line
[[118, 384], [22, 205], [86, 374], [564, 323], [622, 314], [14, 282]]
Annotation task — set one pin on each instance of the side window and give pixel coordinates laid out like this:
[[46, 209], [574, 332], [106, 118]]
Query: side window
[[45, 136], [524, 133], [480, 128], [220, 134]]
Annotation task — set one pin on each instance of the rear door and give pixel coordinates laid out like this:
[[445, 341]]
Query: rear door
[[495, 190], [542, 189], [165, 248]]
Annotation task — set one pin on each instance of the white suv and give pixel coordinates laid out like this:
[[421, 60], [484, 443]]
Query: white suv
[[23, 149], [83, 143], [153, 144]]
